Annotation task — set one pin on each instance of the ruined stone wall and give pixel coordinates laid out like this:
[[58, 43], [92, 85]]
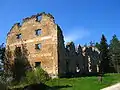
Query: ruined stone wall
[[61, 53], [70, 58], [82, 60], [53, 55], [48, 41], [93, 59]]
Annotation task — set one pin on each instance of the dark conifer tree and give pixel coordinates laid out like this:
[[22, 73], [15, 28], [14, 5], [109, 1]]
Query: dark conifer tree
[[115, 53], [21, 63], [104, 54], [97, 45], [2, 55], [8, 60]]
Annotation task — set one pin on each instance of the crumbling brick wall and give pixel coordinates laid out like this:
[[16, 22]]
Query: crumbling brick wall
[[82, 60], [47, 55], [45, 44]]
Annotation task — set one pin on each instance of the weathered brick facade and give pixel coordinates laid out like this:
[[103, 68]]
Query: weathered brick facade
[[45, 43], [83, 60]]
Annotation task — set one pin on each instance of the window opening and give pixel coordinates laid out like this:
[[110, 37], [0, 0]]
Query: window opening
[[38, 46], [39, 18], [19, 36], [37, 64], [38, 32]]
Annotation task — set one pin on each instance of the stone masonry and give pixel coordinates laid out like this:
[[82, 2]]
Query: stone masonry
[[45, 44]]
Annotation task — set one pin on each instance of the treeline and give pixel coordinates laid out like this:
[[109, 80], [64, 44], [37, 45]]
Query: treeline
[[109, 54]]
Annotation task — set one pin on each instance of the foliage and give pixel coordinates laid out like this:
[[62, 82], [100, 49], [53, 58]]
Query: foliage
[[115, 53], [5, 80], [20, 68], [5, 77], [21, 63], [2, 55], [91, 43], [97, 45], [36, 76], [3, 85], [104, 54], [8, 60]]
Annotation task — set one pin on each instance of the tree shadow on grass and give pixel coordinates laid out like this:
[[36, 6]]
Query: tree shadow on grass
[[41, 86], [59, 87]]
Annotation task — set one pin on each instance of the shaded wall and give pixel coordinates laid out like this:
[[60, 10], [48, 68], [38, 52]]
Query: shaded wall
[[82, 60]]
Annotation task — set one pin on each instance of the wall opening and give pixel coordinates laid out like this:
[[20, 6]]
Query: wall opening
[[39, 18], [77, 68], [37, 64], [38, 46], [19, 36], [38, 32]]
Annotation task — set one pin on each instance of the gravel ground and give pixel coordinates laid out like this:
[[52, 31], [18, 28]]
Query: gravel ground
[[113, 87]]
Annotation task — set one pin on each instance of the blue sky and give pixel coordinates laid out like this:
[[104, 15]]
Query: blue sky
[[82, 21]]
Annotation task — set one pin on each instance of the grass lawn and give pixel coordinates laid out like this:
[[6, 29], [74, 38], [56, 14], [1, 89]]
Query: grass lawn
[[83, 83]]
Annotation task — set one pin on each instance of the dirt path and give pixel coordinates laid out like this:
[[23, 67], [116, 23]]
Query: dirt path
[[113, 87]]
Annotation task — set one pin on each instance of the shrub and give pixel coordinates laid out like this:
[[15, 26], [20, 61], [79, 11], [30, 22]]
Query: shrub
[[36, 76], [3, 84], [5, 80]]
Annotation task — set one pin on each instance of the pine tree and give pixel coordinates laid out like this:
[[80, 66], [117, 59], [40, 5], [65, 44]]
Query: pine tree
[[104, 54], [8, 60], [21, 63], [115, 53], [97, 45], [2, 55]]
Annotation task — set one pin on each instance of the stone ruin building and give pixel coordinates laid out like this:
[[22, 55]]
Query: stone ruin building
[[45, 44]]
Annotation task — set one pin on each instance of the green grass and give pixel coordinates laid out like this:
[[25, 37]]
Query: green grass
[[83, 83]]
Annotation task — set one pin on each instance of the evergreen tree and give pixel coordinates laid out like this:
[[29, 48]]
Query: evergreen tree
[[8, 60], [115, 53], [2, 55], [97, 45], [92, 43], [104, 54], [21, 63]]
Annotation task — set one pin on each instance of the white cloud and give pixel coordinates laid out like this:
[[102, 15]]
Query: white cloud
[[76, 34]]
